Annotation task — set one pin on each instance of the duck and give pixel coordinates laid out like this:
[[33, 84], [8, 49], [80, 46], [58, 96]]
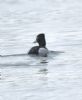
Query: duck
[[41, 49]]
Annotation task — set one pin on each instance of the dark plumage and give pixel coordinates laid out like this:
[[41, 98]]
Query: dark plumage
[[40, 39]]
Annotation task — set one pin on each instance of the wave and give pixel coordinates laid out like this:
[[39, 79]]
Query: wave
[[12, 55], [25, 54], [23, 60]]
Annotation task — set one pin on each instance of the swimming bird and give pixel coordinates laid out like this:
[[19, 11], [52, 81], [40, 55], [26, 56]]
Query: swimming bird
[[41, 49]]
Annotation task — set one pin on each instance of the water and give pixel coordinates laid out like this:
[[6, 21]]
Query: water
[[57, 77]]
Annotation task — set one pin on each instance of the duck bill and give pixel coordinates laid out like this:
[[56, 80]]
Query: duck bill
[[35, 41]]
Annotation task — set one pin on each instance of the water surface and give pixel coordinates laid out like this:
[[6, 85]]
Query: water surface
[[59, 76]]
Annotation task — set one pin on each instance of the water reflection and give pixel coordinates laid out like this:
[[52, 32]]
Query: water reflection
[[0, 76], [42, 73]]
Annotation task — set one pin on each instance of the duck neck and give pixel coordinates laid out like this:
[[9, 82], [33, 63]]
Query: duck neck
[[42, 46], [42, 43]]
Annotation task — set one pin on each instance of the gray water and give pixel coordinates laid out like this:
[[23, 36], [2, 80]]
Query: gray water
[[57, 77]]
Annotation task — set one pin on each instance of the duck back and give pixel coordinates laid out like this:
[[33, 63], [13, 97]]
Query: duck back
[[34, 50]]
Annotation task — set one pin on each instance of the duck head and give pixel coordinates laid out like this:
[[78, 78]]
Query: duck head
[[40, 39]]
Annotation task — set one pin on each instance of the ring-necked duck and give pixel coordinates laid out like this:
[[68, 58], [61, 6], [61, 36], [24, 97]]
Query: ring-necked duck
[[41, 49]]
